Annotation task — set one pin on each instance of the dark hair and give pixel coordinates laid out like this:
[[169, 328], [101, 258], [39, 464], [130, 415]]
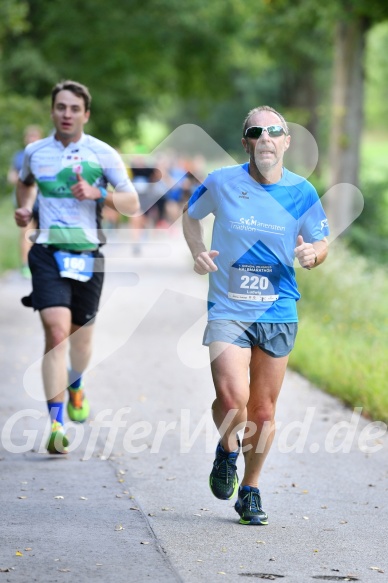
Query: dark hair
[[74, 87], [263, 108]]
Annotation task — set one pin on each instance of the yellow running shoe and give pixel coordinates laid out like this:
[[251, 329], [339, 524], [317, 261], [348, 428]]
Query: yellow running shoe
[[78, 407], [57, 442]]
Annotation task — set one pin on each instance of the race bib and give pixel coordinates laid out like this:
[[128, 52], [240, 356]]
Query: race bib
[[254, 283], [74, 265]]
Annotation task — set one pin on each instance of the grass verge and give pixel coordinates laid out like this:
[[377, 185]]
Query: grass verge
[[342, 340], [9, 247]]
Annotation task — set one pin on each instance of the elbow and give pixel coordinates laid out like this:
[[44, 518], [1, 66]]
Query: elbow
[[133, 204], [126, 203], [135, 208]]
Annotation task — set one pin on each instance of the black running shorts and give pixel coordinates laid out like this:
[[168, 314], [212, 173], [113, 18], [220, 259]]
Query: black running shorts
[[49, 289]]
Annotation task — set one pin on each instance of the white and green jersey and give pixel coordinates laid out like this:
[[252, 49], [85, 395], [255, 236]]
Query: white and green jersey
[[64, 221]]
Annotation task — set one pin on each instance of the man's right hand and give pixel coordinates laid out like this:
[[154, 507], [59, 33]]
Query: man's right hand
[[23, 216], [204, 262]]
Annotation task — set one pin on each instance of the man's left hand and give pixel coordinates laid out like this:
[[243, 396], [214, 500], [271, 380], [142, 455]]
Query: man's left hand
[[305, 253], [82, 190]]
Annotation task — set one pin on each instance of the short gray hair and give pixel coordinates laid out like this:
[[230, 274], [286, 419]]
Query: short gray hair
[[263, 108]]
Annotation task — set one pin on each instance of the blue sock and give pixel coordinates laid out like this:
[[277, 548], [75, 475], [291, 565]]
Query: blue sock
[[75, 379], [56, 412]]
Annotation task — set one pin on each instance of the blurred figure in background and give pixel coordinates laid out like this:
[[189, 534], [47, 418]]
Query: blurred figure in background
[[32, 133], [150, 187], [164, 184]]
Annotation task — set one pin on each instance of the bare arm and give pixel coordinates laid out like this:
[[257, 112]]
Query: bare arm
[[25, 196], [193, 233], [125, 202]]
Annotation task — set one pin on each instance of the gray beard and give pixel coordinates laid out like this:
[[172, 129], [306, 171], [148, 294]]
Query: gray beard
[[262, 167]]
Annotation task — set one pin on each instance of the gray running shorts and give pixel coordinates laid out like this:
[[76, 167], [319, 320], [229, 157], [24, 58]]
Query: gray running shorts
[[275, 339]]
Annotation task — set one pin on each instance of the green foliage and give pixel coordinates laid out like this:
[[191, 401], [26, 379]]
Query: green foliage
[[26, 67], [373, 10], [129, 53], [376, 67], [342, 337], [13, 17], [369, 234]]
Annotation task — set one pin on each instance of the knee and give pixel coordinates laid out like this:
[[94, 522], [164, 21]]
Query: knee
[[229, 402], [262, 413], [56, 336]]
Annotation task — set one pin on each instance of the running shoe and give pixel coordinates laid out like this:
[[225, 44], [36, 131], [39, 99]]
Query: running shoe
[[223, 480], [248, 506], [57, 442], [78, 407]]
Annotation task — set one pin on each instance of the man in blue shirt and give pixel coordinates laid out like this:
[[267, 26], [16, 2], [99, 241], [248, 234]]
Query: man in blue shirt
[[265, 216]]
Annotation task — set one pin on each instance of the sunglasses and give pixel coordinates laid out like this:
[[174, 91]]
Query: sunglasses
[[273, 131]]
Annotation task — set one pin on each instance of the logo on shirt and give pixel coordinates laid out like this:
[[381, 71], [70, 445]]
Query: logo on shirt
[[324, 224], [244, 194], [252, 224], [60, 190], [77, 168]]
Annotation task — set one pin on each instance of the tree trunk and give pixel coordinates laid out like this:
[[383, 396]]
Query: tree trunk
[[347, 117], [300, 94]]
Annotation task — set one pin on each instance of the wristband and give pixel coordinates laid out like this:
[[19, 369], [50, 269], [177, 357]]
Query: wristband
[[104, 193]]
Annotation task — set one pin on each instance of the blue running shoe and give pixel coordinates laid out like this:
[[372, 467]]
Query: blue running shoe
[[248, 506], [223, 480]]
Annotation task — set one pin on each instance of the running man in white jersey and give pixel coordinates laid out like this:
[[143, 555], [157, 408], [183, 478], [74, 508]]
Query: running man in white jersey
[[265, 215], [72, 171]]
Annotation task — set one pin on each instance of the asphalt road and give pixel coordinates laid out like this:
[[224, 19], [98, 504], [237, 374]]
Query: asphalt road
[[131, 502]]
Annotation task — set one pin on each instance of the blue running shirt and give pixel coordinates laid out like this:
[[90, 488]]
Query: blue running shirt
[[255, 231]]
